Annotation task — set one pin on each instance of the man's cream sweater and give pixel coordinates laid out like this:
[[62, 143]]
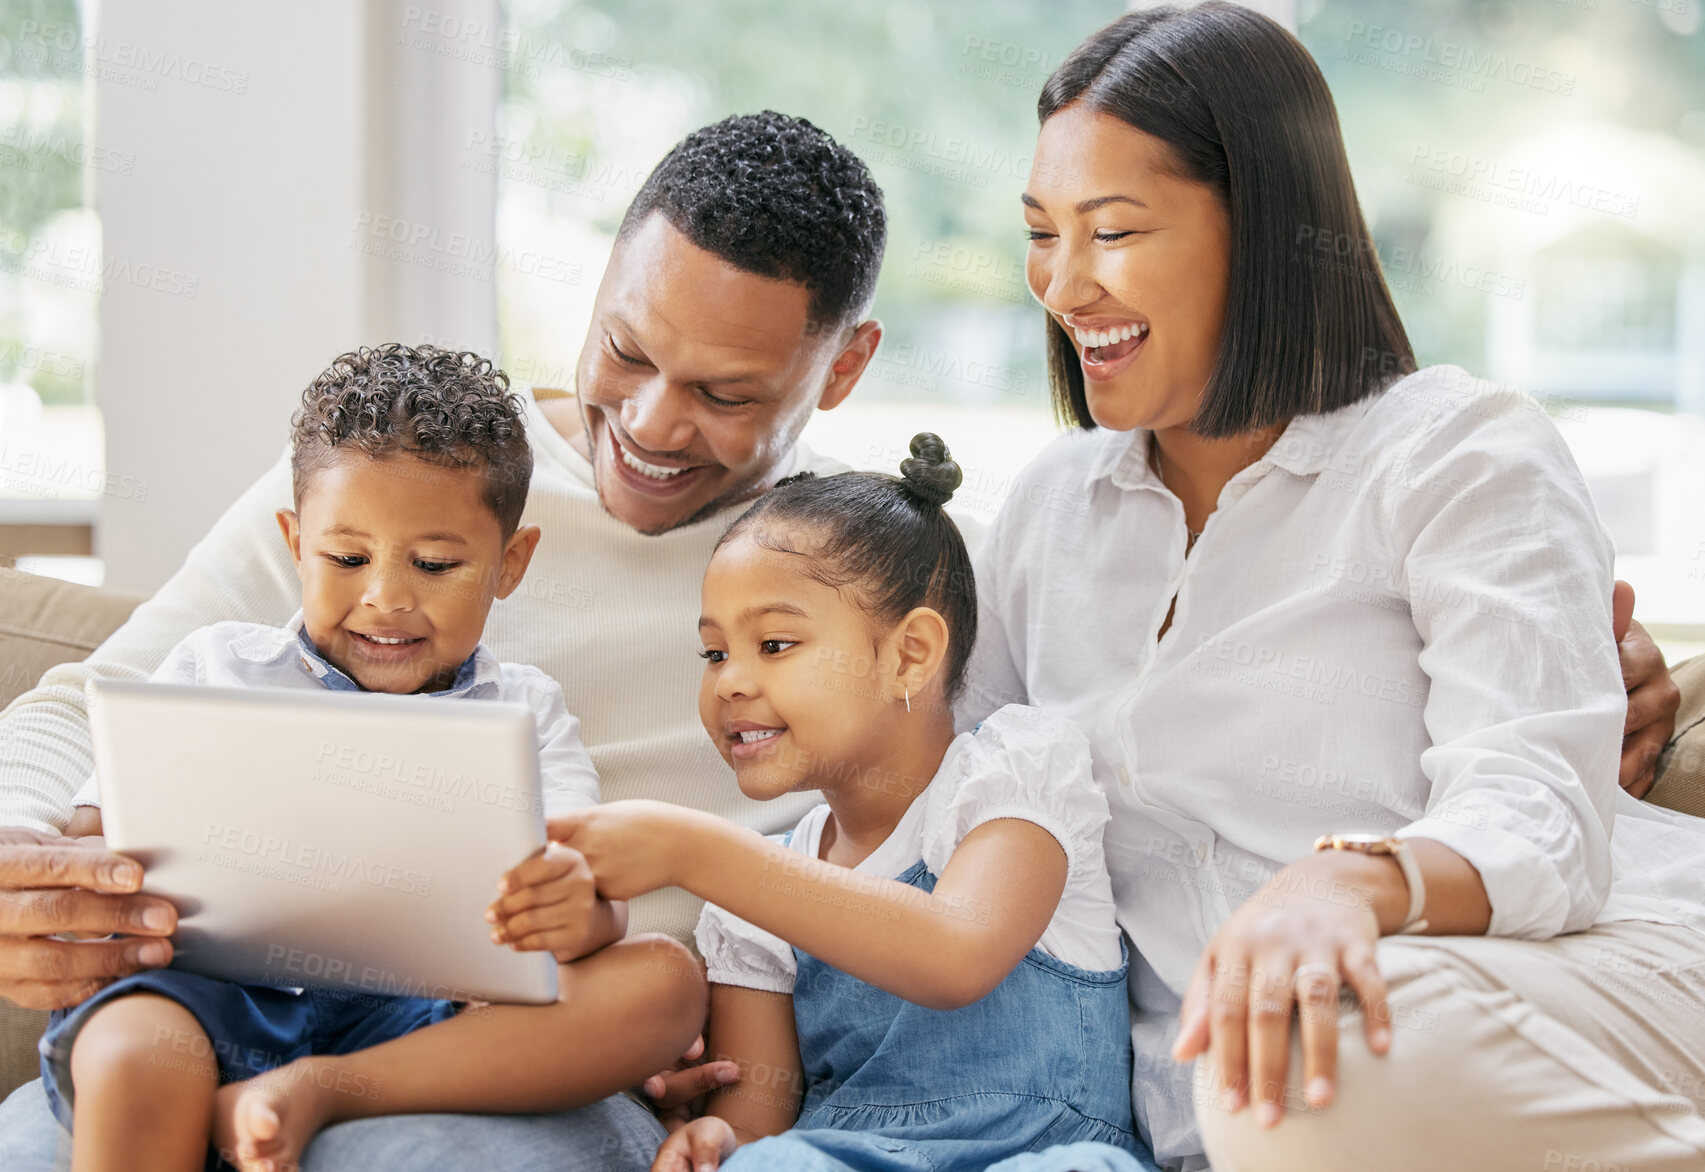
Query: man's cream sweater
[[609, 613]]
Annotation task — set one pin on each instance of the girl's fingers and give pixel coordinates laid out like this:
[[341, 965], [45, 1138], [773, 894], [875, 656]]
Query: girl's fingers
[[1228, 1019], [563, 827], [1365, 978], [1270, 1035], [1317, 985], [1193, 1016]]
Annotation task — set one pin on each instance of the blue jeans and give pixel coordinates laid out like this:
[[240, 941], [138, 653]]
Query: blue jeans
[[615, 1135], [252, 1028]]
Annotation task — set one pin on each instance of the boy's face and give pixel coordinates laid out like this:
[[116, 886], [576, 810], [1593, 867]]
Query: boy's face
[[400, 560]]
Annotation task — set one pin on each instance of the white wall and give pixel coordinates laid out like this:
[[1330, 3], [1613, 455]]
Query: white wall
[[238, 251]]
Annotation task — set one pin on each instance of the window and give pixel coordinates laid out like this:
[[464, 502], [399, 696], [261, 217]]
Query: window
[[50, 278], [939, 99]]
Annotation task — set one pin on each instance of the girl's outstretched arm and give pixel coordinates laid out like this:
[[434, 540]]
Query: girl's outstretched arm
[[991, 904], [755, 1029]]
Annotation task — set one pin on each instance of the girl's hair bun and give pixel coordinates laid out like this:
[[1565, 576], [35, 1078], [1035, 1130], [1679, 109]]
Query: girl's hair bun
[[930, 473]]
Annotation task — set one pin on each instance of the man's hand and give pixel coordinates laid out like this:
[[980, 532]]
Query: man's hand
[[677, 1095], [50, 884], [1653, 698], [549, 903]]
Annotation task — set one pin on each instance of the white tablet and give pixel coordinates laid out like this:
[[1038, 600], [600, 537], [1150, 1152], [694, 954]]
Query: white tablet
[[324, 839]]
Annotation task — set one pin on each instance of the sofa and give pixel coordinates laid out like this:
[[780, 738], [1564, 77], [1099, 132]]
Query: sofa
[[44, 622]]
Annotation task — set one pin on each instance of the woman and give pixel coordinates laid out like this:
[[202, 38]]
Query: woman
[[1338, 594]]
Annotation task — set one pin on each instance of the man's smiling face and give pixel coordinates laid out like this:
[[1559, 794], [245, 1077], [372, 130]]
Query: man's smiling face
[[697, 377]]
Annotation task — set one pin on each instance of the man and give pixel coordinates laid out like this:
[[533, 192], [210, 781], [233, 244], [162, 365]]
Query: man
[[731, 308]]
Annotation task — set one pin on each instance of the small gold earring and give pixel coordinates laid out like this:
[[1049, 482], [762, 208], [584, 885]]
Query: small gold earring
[[908, 699]]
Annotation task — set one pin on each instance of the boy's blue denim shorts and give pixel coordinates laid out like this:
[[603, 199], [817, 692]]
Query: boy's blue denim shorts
[[249, 1029]]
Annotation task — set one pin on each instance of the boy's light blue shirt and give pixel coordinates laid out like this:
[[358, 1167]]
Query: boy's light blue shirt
[[253, 655]]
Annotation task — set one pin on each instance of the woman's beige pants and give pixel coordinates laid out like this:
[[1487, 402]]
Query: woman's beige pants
[[1585, 1053]]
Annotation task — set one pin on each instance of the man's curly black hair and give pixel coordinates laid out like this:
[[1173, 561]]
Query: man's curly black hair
[[445, 407], [775, 196]]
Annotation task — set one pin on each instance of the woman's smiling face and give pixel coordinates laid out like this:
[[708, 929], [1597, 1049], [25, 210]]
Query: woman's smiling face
[[1132, 261]]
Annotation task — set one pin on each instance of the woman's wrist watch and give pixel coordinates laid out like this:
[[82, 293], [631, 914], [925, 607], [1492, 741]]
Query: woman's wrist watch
[[1397, 849]]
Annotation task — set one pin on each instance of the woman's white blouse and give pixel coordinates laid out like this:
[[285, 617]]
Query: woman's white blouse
[[1396, 621], [1022, 763]]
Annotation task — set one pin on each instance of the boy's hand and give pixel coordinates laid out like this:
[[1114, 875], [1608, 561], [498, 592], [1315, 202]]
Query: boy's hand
[[633, 846], [700, 1146], [549, 903]]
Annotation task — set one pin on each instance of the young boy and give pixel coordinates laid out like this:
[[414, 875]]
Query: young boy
[[410, 476]]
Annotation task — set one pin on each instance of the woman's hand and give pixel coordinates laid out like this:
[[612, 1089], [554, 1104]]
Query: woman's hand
[[632, 846], [700, 1146], [1310, 930], [550, 903]]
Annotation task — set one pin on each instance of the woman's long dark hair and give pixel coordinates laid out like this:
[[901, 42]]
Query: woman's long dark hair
[[1309, 325]]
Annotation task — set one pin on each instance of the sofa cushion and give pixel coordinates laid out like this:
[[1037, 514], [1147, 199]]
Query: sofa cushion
[[44, 622], [1681, 768]]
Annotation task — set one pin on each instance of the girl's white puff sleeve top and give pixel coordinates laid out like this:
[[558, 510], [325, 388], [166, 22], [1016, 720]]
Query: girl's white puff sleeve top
[[1020, 763]]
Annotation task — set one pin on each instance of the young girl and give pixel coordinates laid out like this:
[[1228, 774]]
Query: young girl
[[925, 973]]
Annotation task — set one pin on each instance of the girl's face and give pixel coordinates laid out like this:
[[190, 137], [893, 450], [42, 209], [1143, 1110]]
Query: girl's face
[[798, 688], [1126, 253]]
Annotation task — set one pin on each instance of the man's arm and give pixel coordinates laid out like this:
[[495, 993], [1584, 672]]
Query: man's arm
[[51, 884], [240, 570]]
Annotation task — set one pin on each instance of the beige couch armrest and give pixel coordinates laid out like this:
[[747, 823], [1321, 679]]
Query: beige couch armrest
[[45, 622], [1681, 768], [19, 1031]]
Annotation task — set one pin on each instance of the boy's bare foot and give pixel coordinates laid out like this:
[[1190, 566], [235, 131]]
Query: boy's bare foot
[[264, 1123]]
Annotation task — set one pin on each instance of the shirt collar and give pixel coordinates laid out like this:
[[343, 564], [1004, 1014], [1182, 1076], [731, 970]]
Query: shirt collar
[[479, 675], [1309, 443], [1123, 459], [1305, 448]]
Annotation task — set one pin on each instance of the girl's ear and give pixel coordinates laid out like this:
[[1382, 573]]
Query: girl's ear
[[291, 527], [920, 644], [516, 556]]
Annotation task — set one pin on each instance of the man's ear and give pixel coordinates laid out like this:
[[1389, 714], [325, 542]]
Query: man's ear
[[920, 646], [516, 557], [291, 526], [850, 364]]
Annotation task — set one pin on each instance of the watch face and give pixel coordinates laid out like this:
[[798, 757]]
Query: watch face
[[1362, 840]]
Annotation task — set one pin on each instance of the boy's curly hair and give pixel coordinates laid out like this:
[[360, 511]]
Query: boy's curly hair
[[447, 407]]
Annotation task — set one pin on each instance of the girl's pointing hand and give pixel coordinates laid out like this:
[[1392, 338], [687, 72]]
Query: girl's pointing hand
[[632, 846]]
